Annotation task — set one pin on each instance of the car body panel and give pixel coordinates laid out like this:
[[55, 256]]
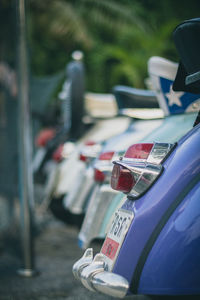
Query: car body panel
[[167, 133], [64, 185], [91, 223], [71, 167], [135, 132], [116, 202], [84, 183], [180, 240], [150, 208]]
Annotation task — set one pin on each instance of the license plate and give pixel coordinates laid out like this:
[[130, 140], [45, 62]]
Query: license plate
[[115, 236]]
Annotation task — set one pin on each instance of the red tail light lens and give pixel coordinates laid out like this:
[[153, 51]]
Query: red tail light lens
[[139, 151], [122, 179], [82, 157], [102, 168], [99, 176], [106, 155], [57, 155], [44, 136]]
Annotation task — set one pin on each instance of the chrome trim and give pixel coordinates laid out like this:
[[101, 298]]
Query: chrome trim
[[133, 160], [94, 275], [84, 261], [110, 284], [96, 266], [145, 181], [138, 168], [144, 174], [106, 166], [146, 171], [159, 152]]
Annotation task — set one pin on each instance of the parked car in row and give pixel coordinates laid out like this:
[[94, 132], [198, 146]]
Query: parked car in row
[[70, 172], [153, 243], [67, 202]]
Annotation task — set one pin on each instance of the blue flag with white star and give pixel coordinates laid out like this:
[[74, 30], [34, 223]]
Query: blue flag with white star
[[178, 102]]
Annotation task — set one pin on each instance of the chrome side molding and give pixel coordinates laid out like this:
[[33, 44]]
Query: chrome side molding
[[94, 275]]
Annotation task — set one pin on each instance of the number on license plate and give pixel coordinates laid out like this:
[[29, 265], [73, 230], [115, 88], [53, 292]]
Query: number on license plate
[[116, 235]]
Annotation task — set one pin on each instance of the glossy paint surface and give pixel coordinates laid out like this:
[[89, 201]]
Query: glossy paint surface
[[179, 169], [173, 265], [99, 201], [172, 129], [75, 201], [163, 133], [116, 202]]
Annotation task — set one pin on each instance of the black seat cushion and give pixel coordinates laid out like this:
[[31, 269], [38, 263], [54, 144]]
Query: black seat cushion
[[128, 97], [187, 41]]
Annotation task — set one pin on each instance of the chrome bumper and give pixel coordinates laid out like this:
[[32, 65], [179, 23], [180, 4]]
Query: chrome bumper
[[93, 274]]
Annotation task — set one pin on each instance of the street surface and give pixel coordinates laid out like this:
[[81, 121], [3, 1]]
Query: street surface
[[56, 251]]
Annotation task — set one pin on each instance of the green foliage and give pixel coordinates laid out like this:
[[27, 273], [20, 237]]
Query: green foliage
[[117, 37], [126, 61]]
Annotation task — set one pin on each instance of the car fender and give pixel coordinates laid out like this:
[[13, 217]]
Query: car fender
[[173, 264]]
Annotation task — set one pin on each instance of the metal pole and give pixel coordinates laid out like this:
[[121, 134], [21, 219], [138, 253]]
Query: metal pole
[[25, 149]]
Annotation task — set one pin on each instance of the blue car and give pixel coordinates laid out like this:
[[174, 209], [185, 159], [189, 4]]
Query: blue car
[[153, 244]]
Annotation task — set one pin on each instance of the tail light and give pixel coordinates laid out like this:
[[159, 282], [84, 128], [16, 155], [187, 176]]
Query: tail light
[[90, 143], [57, 154], [139, 151], [89, 151], [99, 176], [44, 136], [138, 169], [103, 166], [83, 157], [122, 179]]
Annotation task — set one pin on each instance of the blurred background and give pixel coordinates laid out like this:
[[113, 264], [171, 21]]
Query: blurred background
[[116, 37]]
